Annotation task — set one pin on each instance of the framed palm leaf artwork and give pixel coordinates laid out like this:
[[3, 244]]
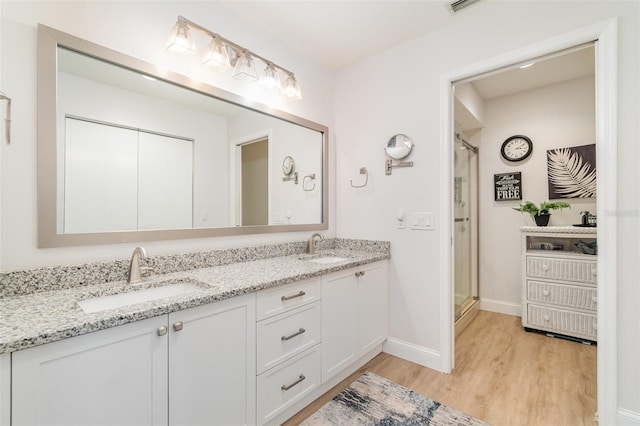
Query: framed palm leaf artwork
[[572, 172]]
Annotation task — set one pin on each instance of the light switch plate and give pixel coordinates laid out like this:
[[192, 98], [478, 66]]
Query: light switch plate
[[401, 219], [422, 221]]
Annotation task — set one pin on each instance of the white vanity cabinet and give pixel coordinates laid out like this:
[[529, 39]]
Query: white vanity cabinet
[[195, 366], [355, 315], [288, 353], [559, 281], [212, 364], [116, 376]]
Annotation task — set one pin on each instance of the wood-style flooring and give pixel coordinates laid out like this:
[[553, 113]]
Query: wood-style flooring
[[503, 375]]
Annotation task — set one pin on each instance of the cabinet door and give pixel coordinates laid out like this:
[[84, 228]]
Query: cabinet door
[[373, 306], [212, 367], [339, 321], [116, 376]]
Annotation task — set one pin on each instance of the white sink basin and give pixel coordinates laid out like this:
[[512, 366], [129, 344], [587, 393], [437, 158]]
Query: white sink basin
[[120, 300], [328, 259]]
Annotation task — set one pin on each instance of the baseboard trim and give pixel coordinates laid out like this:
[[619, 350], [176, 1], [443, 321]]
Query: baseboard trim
[[628, 418], [414, 353], [500, 307]]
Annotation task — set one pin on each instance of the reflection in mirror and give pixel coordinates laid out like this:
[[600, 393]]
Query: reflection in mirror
[[399, 146], [127, 155]]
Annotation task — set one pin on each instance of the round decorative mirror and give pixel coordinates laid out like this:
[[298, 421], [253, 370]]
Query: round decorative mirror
[[399, 146], [288, 165]]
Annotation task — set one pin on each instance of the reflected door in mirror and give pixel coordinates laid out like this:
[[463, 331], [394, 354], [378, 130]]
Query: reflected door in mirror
[[120, 179]]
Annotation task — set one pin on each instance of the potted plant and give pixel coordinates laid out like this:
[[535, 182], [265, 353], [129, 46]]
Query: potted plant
[[541, 214]]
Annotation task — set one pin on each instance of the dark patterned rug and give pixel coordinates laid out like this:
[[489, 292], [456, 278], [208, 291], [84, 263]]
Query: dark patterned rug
[[373, 400]]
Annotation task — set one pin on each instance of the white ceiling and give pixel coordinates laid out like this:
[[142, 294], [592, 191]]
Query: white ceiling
[[339, 33], [545, 71]]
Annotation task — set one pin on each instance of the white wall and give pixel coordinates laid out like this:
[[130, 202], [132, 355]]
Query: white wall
[[555, 116], [398, 92], [139, 29]]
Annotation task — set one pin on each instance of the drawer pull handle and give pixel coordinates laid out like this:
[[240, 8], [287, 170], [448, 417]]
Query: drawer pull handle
[[299, 294], [291, 336], [178, 326], [546, 318], [595, 299], [594, 271], [545, 267], [545, 292], [162, 331], [287, 387]]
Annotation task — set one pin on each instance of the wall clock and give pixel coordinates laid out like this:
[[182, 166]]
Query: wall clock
[[516, 148]]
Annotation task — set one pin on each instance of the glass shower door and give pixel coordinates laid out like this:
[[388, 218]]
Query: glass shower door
[[464, 208]]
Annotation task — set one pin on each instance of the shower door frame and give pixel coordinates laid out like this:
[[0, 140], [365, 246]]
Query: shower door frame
[[472, 223]]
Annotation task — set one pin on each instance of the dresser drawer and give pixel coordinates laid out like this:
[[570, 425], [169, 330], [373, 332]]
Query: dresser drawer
[[286, 384], [283, 336], [562, 269], [274, 301], [564, 322], [572, 296]]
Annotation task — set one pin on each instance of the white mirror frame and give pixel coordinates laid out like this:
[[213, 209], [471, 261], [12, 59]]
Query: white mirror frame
[[49, 40]]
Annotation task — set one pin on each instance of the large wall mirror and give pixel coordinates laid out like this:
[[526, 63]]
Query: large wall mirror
[[127, 152]]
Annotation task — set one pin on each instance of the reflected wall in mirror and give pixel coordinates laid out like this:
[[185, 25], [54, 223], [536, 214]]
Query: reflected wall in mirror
[[127, 153]]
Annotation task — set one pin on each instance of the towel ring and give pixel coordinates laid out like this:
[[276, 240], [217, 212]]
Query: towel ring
[[311, 177], [363, 171]]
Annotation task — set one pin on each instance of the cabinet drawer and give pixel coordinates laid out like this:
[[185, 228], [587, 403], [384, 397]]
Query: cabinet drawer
[[562, 269], [571, 323], [283, 336], [562, 295], [283, 386], [274, 301]]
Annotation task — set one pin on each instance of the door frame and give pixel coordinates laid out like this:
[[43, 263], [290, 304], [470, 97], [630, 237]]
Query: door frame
[[235, 183], [606, 153]]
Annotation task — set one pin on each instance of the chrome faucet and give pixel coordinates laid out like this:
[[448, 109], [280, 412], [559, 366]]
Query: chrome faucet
[[135, 271], [311, 248]]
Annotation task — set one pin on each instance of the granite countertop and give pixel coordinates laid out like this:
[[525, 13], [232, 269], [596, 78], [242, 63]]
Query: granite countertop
[[34, 319]]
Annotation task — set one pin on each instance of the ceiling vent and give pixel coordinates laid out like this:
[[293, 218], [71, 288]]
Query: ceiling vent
[[458, 5]]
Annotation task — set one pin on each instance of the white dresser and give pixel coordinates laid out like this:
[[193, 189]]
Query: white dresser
[[559, 281]]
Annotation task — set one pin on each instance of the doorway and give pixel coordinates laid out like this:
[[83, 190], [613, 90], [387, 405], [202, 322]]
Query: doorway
[[606, 150], [253, 200]]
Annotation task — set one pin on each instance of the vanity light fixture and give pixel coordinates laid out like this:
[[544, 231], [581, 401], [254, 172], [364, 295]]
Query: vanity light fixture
[[271, 78], [245, 70], [180, 39], [526, 65], [291, 88], [222, 53], [217, 55]]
